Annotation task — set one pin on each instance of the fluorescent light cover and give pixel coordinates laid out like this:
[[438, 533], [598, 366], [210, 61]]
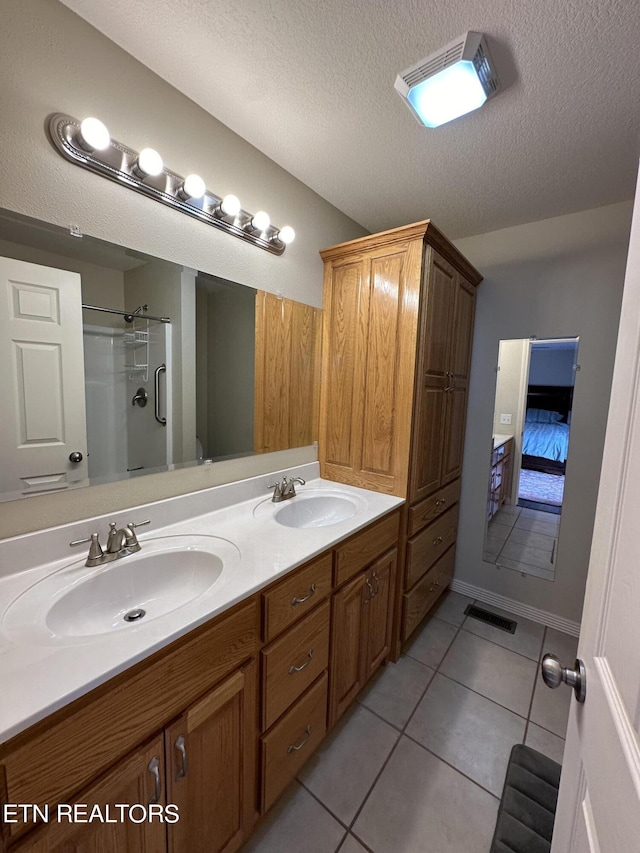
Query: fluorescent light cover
[[451, 93]]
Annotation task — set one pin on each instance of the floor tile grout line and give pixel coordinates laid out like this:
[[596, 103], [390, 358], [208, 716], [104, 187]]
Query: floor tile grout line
[[452, 766], [535, 684], [401, 732], [482, 696], [526, 657]]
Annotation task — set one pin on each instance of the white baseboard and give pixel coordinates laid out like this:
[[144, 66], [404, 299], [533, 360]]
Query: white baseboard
[[517, 607]]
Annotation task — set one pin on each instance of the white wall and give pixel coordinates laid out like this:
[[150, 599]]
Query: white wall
[[555, 278], [53, 61]]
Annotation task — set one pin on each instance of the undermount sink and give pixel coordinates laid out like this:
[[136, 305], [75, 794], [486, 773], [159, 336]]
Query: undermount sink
[[76, 603], [316, 510]]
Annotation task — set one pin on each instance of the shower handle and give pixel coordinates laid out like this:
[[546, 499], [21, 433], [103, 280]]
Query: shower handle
[[161, 369]]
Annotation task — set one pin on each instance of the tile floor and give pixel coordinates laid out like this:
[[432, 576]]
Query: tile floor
[[524, 540], [418, 763]]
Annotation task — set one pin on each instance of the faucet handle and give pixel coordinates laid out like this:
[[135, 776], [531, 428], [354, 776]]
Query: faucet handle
[[96, 554], [131, 540]]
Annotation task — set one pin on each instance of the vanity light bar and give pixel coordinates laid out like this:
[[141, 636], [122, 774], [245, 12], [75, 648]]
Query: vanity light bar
[[88, 144]]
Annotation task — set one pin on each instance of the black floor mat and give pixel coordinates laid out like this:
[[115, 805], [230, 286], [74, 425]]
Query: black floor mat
[[528, 805]]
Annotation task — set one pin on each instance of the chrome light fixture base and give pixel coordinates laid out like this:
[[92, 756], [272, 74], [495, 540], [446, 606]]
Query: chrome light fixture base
[[119, 163]]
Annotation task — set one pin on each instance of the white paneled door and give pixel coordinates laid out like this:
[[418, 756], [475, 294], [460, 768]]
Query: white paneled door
[[599, 802], [42, 424]]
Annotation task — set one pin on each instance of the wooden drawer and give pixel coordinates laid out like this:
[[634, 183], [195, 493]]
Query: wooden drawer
[[292, 662], [298, 593], [430, 508], [292, 740], [418, 601], [62, 754], [357, 552], [425, 548]]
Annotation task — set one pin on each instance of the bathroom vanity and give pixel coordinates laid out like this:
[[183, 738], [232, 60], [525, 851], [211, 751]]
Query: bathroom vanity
[[212, 706]]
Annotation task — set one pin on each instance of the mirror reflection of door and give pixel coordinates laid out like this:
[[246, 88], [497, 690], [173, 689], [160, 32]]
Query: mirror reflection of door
[[528, 454]]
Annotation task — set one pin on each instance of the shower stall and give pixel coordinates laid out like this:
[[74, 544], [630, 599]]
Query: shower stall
[[128, 390]]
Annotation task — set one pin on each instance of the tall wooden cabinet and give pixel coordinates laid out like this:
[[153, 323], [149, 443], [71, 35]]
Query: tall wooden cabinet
[[397, 332]]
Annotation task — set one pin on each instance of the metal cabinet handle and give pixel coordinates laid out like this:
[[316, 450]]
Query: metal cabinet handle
[[293, 668], [377, 583], [368, 583], [158, 371], [440, 501], [312, 591], [181, 747], [296, 746], [154, 768], [438, 540]]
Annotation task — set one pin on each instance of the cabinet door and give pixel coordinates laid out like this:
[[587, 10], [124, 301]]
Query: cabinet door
[[455, 415], [369, 355], [381, 576], [439, 284], [346, 673], [136, 780], [211, 764]]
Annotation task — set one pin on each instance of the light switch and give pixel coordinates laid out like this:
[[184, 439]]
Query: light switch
[[505, 419]]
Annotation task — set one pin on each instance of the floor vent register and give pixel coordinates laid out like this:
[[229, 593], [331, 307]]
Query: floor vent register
[[491, 618]]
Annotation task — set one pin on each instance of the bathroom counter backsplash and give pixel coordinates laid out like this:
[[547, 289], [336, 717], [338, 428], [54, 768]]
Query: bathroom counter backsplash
[[43, 674]]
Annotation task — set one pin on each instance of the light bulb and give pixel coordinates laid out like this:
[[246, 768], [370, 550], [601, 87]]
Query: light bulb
[[261, 221], [150, 162], [94, 136], [287, 235], [230, 205], [193, 186]]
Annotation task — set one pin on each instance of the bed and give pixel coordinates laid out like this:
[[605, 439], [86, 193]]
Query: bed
[[545, 442]]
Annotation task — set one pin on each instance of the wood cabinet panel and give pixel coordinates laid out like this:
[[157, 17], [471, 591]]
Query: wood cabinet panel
[[421, 598], [462, 330], [347, 630], [381, 576], [293, 661], [294, 596], [130, 782], [436, 314], [294, 738], [70, 748], [455, 419], [430, 508], [381, 382], [211, 768], [427, 546], [287, 374], [359, 550], [429, 421], [340, 387]]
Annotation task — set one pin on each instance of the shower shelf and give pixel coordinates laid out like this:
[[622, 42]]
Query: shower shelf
[[136, 342]]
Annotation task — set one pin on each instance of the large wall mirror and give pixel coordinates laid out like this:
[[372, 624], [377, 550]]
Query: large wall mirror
[[528, 453], [117, 364]]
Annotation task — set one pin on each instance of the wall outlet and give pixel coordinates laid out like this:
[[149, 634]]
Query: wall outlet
[[505, 419]]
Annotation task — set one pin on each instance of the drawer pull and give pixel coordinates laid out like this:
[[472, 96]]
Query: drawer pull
[[296, 746], [293, 669], [371, 590], [438, 540], [154, 768], [312, 591], [440, 502], [377, 583], [184, 763]]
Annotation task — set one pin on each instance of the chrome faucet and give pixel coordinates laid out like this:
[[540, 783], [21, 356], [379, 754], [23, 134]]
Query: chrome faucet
[[120, 543], [285, 489]]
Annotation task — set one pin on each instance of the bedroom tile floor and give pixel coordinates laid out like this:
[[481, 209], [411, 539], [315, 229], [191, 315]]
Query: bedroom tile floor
[[427, 742], [524, 540]]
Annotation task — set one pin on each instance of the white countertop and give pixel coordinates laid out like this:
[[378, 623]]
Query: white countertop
[[499, 440], [40, 674]]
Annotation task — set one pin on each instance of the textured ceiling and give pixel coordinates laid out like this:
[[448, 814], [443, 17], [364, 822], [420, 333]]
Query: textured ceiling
[[310, 83]]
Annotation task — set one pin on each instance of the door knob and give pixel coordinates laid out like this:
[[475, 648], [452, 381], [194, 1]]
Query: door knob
[[76, 457], [554, 674]]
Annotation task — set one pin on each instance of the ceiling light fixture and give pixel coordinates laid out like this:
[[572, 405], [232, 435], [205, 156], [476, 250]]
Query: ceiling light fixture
[[89, 144], [451, 82]]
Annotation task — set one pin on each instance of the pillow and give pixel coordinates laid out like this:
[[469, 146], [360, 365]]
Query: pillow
[[542, 416]]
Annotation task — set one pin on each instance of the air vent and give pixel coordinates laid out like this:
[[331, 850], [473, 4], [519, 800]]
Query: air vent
[[507, 625]]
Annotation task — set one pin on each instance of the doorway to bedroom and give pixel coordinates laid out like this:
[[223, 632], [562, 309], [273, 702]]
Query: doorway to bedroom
[[547, 424], [530, 443]]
